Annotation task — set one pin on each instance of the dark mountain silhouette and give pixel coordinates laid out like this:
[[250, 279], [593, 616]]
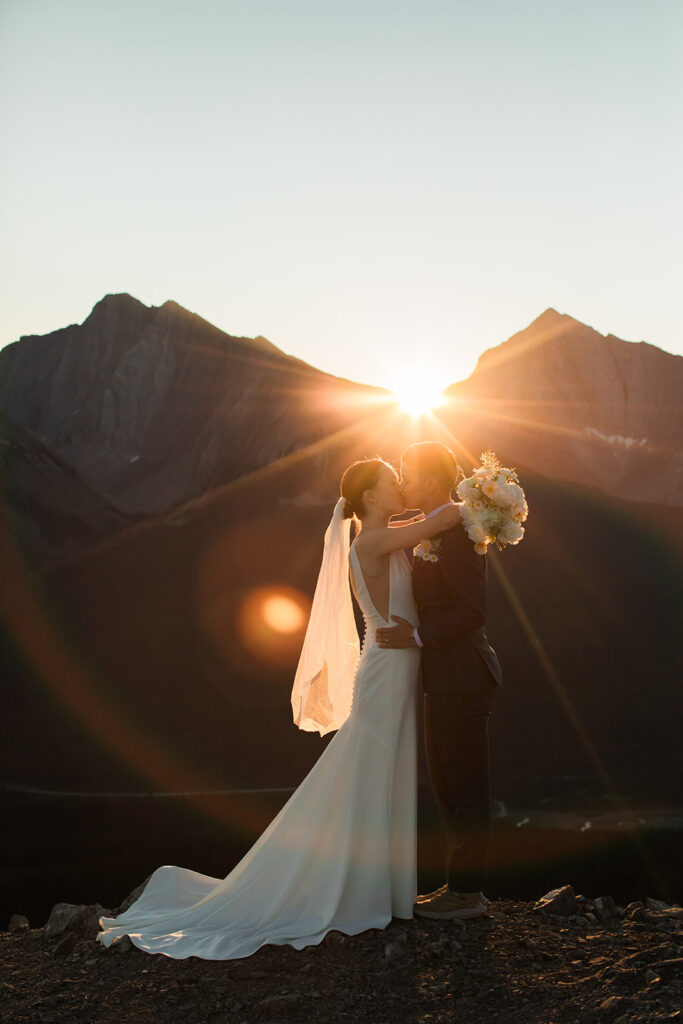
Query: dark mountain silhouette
[[154, 406], [50, 510]]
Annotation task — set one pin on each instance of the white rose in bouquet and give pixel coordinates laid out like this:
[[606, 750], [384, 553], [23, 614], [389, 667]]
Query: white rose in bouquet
[[468, 490], [515, 493], [490, 487], [520, 511], [511, 533], [476, 530], [509, 495]]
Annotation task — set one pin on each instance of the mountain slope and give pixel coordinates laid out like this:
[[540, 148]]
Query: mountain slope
[[579, 406], [152, 409], [155, 406], [46, 505]]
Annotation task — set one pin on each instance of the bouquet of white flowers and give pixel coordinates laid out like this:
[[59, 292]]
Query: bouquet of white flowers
[[494, 505]]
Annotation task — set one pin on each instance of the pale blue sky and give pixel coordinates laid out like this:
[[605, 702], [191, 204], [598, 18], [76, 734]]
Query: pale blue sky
[[372, 186]]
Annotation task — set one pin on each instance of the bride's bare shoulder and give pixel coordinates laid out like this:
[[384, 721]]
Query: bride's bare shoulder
[[371, 560], [366, 542]]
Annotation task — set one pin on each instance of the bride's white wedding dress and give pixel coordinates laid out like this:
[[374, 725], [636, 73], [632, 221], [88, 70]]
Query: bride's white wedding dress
[[341, 854]]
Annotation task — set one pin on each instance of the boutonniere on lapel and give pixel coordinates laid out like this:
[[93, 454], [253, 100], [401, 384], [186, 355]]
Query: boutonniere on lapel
[[428, 549]]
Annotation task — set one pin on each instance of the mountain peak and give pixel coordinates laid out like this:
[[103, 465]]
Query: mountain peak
[[550, 319], [173, 307], [547, 327], [117, 314], [120, 302]]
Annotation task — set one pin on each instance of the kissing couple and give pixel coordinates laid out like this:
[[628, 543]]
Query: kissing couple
[[342, 852]]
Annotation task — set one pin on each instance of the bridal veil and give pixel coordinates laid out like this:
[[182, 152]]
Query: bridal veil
[[323, 685]]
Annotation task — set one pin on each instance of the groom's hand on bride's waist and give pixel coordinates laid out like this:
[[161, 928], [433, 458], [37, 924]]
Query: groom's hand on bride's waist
[[396, 636]]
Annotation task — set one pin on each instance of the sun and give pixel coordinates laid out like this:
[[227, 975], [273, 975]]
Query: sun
[[418, 394]]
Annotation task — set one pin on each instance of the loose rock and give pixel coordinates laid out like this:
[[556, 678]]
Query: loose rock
[[523, 969], [560, 901], [611, 1005], [394, 951], [18, 923], [281, 1001], [64, 916], [605, 908]]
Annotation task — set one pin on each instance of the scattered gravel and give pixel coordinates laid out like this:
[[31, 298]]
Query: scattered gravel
[[517, 966]]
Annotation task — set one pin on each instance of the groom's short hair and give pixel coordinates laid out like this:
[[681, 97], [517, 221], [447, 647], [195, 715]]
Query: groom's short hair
[[431, 458]]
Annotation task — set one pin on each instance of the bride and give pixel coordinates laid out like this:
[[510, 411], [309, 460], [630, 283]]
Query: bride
[[341, 854]]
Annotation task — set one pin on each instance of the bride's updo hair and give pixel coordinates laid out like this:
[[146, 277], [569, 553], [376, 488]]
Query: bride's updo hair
[[360, 476]]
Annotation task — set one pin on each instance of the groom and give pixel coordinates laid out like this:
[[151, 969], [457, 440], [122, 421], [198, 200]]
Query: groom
[[460, 678]]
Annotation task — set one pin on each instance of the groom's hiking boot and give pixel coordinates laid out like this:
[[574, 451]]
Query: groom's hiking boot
[[447, 905]]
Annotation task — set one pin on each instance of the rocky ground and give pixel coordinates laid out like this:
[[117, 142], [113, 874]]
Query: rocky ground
[[562, 960]]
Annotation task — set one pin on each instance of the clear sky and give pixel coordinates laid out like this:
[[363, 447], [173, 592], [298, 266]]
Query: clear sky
[[374, 186]]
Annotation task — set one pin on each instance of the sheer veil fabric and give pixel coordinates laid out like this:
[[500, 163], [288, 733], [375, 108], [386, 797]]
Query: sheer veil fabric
[[341, 854], [323, 684]]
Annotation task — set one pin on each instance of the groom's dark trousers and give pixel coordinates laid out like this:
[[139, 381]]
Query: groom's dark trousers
[[460, 677]]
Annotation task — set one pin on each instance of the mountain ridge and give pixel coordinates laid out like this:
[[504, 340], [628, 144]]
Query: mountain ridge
[[580, 406], [146, 404], [551, 325], [146, 401]]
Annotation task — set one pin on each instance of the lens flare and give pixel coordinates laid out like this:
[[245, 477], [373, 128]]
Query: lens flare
[[282, 613], [271, 623]]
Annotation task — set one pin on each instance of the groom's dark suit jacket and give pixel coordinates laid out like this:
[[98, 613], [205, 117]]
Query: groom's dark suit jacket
[[451, 601]]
